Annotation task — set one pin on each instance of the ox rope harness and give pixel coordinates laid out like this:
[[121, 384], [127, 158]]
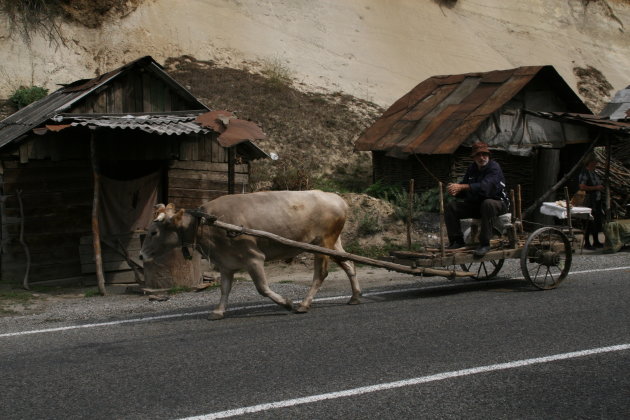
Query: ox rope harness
[[201, 219]]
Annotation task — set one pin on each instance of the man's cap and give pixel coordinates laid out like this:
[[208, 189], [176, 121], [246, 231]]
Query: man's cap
[[479, 147]]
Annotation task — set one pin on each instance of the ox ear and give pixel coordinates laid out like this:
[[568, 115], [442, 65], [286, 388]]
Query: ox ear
[[178, 217]]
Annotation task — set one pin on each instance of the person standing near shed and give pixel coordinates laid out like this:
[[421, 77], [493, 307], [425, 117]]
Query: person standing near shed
[[591, 183], [481, 195]]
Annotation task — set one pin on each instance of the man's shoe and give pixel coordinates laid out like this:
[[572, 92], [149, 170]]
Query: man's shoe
[[456, 245], [481, 250]]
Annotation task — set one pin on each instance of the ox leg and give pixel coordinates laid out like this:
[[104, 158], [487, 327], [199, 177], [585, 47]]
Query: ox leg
[[227, 279], [319, 274], [348, 267], [257, 273]]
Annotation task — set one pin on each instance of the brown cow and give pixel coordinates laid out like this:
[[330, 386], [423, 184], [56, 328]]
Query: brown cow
[[313, 217]]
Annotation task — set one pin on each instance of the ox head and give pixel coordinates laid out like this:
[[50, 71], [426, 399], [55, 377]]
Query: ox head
[[163, 234]]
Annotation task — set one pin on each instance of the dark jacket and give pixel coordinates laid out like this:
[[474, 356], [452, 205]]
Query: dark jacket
[[487, 182]]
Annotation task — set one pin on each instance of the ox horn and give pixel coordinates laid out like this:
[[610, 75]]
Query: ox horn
[[159, 212]]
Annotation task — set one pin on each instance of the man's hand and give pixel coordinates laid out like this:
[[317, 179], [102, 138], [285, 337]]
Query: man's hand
[[454, 189]]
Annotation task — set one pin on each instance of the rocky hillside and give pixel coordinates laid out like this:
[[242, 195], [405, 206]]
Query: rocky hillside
[[373, 50]]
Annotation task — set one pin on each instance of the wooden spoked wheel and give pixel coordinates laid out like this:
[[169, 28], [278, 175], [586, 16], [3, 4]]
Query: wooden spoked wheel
[[546, 258], [484, 270]]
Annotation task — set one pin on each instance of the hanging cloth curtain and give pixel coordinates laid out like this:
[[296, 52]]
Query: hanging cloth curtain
[[126, 206]]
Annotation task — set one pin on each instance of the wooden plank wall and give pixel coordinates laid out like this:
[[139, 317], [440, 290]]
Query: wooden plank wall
[[56, 197], [191, 183], [134, 92], [201, 173]]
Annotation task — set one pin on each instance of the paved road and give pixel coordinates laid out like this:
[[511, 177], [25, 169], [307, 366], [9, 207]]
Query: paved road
[[471, 350]]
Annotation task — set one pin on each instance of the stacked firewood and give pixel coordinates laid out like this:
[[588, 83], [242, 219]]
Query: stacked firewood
[[619, 180]]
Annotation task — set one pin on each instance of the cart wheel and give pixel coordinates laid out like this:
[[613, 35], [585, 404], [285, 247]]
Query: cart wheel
[[546, 258], [485, 269]]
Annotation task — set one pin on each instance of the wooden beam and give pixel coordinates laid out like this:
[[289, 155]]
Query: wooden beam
[[96, 235], [231, 170], [314, 249]]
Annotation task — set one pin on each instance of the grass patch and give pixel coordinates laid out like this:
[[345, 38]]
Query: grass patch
[[277, 73], [91, 293], [15, 296], [11, 297], [178, 289]]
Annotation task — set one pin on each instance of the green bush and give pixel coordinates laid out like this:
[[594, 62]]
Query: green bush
[[382, 190], [429, 200], [368, 224], [27, 95]]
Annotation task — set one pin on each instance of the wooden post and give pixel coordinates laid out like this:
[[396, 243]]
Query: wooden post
[[410, 212], [517, 208], [442, 250], [231, 170], [23, 242], [607, 180], [96, 235], [568, 205]]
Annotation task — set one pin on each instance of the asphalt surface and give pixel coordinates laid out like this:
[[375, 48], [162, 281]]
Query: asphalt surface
[[467, 349]]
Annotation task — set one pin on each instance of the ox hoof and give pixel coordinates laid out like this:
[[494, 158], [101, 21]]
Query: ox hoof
[[354, 301], [301, 309], [289, 305], [215, 316]]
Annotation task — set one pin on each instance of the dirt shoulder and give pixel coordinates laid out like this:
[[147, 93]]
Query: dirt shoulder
[[295, 278]]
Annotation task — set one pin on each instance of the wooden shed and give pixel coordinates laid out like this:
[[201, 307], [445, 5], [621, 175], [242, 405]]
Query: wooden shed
[[426, 134], [144, 139]]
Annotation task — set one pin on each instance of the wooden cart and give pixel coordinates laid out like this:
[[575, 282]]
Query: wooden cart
[[545, 254]]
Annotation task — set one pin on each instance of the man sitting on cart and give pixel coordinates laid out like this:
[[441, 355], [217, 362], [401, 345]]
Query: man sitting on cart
[[481, 195]]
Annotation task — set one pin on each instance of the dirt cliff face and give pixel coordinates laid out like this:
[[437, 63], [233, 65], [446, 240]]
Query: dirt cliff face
[[372, 50]]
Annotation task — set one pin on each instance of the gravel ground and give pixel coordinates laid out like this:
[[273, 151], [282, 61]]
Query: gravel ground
[[52, 309]]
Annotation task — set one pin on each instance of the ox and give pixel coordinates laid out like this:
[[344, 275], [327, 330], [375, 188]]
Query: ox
[[313, 217]]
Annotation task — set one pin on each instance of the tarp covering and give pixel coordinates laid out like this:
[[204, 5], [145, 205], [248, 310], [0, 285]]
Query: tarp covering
[[517, 132], [126, 206]]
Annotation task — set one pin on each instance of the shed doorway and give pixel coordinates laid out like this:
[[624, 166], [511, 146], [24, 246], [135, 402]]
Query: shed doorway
[[128, 192]]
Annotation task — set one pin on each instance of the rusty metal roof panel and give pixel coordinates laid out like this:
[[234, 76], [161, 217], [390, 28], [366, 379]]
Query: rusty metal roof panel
[[439, 114]]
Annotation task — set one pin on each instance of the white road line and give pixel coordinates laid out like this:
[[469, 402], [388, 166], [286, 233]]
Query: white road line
[[267, 305], [407, 382]]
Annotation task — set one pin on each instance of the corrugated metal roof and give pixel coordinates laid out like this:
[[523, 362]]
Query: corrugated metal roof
[[585, 119], [15, 126], [619, 107], [439, 114], [173, 123]]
